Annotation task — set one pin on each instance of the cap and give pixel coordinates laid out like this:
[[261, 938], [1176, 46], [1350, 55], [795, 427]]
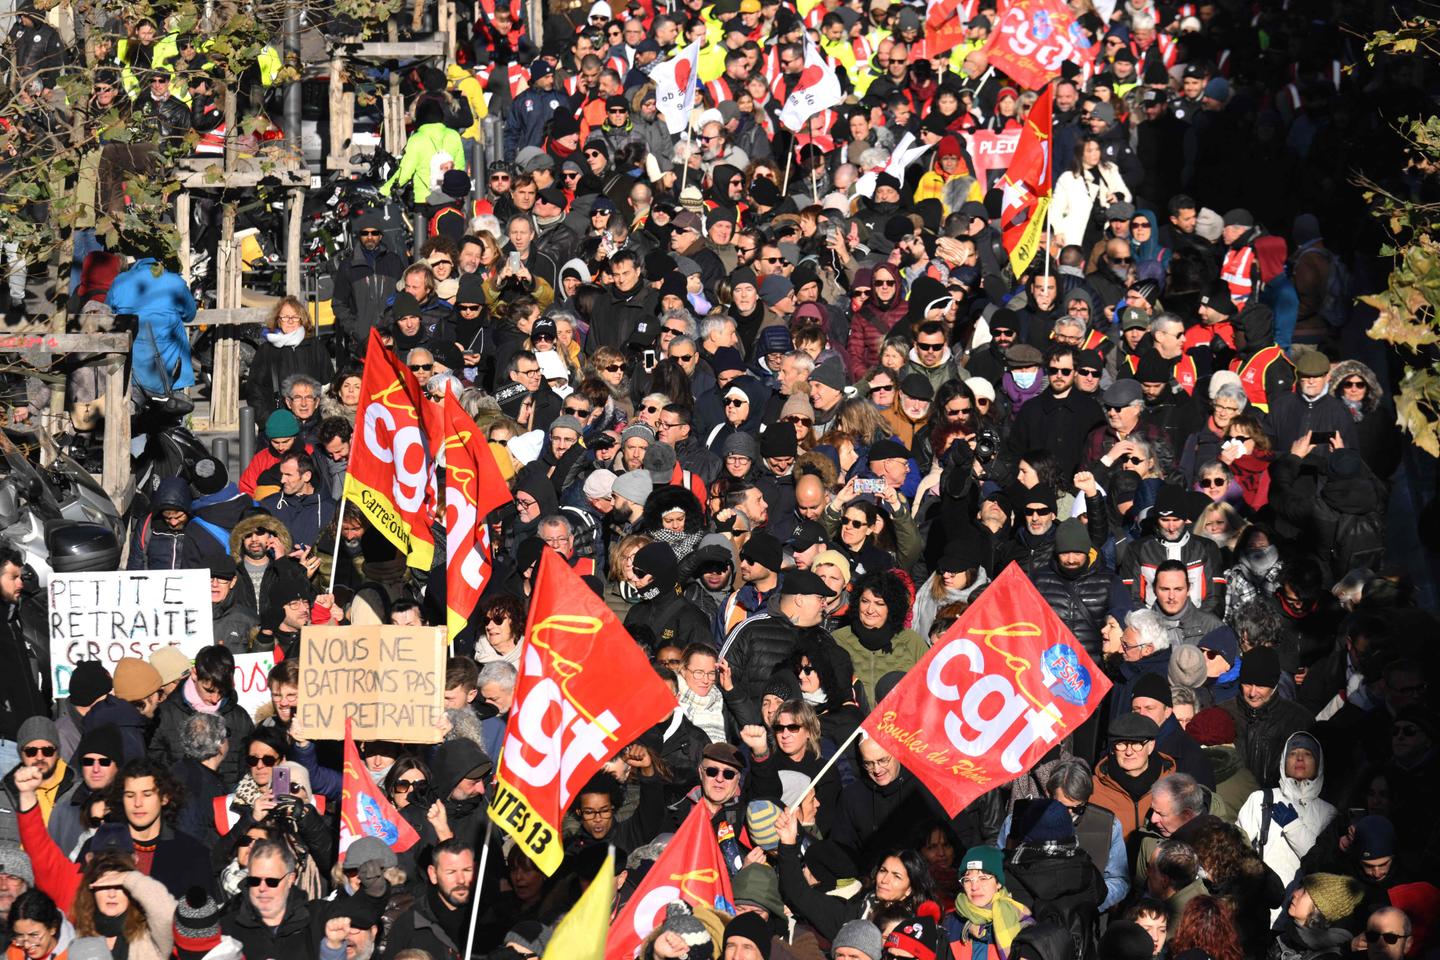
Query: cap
[[1134, 318], [804, 583], [1336, 896], [807, 533], [862, 936], [1120, 211], [829, 373], [1019, 355], [918, 386], [135, 679], [1239, 217], [366, 849], [1187, 666], [1133, 726], [1122, 393], [779, 443], [15, 862], [599, 484], [1312, 363], [775, 288], [552, 195], [722, 752], [1374, 838], [1217, 298], [686, 220], [170, 662]]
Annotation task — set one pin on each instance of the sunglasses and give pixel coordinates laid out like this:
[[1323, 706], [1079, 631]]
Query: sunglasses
[[499, 176], [772, 259], [256, 761], [1405, 730], [732, 402], [728, 773], [1139, 225], [1087, 372], [803, 420], [1122, 259], [1387, 936], [1060, 371], [1002, 332], [1213, 482], [577, 412], [405, 786], [616, 368], [271, 882], [571, 174], [882, 388], [542, 337], [884, 283], [498, 618], [682, 357], [102, 762], [46, 752], [857, 524], [469, 308], [672, 331], [788, 727], [956, 414], [592, 154], [369, 233], [1038, 511], [417, 367], [929, 347], [1353, 384]]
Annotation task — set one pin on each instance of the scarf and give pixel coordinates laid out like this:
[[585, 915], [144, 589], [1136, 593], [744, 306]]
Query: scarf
[[1356, 408], [247, 791], [197, 702], [681, 542], [877, 640], [277, 338], [707, 712], [1003, 919]]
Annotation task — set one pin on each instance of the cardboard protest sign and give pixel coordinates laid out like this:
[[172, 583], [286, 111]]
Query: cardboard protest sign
[[390, 681], [114, 615], [252, 680]]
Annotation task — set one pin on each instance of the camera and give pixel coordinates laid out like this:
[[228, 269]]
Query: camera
[[987, 445]]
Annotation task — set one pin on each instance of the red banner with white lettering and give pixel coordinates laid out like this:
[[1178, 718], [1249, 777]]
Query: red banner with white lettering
[[691, 869], [1006, 682], [1033, 38], [364, 810], [389, 474], [473, 488], [585, 690]]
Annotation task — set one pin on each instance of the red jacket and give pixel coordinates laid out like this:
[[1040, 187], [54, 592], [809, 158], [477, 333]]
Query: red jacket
[[56, 874], [1252, 472]]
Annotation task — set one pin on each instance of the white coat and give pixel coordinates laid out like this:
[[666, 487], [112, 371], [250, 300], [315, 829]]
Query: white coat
[[1283, 847], [1075, 195]]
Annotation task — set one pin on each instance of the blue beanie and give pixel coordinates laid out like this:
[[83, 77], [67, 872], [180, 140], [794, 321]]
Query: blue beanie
[[1043, 820]]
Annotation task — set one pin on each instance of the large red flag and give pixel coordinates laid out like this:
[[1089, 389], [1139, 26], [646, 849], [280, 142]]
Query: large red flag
[[364, 810], [691, 868], [473, 488], [1026, 185], [389, 475], [585, 690], [1032, 39], [985, 704]]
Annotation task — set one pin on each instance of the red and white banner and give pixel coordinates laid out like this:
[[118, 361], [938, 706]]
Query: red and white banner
[[691, 869], [585, 690], [990, 154], [389, 477], [1005, 683], [818, 89], [364, 810], [473, 488], [675, 87], [1033, 38]]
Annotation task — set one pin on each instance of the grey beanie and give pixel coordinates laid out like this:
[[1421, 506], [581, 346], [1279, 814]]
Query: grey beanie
[[859, 935], [742, 444], [14, 862], [681, 922], [567, 422], [637, 430], [635, 486], [89, 948], [1187, 666], [38, 728]]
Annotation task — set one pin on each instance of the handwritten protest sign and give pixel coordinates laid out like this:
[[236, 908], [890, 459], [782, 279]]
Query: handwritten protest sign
[[110, 616], [252, 685], [389, 680]]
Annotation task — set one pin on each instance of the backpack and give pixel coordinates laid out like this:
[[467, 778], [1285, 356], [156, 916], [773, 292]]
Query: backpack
[[1359, 542], [1335, 307]]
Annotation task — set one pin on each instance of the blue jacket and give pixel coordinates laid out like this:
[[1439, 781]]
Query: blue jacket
[[304, 515], [529, 114], [164, 305]]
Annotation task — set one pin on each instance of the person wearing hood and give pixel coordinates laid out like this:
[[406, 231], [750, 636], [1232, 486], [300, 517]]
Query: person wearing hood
[[959, 575], [949, 164], [1266, 373], [743, 403], [1264, 720], [458, 775], [663, 608], [431, 136], [708, 574], [877, 638], [166, 538], [1283, 823], [1377, 436], [534, 498], [1049, 873]]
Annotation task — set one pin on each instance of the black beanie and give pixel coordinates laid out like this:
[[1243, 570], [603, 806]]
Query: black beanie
[[1154, 686], [89, 683], [1260, 666]]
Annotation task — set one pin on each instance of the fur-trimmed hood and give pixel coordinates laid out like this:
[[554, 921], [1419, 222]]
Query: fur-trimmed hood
[[253, 522], [1354, 368]]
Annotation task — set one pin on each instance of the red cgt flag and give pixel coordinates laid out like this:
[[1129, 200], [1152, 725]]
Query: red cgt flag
[[1025, 187], [987, 702], [691, 868], [1032, 39], [473, 488], [390, 468], [585, 690], [364, 810]]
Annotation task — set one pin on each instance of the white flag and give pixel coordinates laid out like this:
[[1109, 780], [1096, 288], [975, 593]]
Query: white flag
[[818, 89], [675, 87]]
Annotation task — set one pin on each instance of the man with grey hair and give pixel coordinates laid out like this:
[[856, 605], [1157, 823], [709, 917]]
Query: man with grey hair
[[204, 740], [16, 876], [497, 685], [717, 332], [301, 394], [1387, 934], [1176, 802], [1069, 331], [1172, 875], [1109, 445], [268, 921]]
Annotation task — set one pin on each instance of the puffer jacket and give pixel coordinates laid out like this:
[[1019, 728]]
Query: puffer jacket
[[1058, 880], [1283, 847], [176, 711], [1260, 735], [762, 642], [1204, 567], [1081, 601]]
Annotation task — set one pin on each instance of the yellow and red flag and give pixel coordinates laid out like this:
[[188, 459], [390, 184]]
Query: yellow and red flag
[[473, 488], [389, 475], [585, 691], [1025, 187]]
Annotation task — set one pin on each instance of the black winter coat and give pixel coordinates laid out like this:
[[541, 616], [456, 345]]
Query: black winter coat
[[671, 618], [297, 938], [1261, 734], [620, 320], [1082, 602], [362, 289], [762, 643], [24, 682], [273, 364], [1057, 424], [171, 718], [1061, 884]]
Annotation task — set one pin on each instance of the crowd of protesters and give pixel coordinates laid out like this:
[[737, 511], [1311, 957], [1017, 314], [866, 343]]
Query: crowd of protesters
[[789, 413]]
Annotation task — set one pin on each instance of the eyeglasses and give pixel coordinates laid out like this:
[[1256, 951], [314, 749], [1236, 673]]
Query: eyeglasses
[[788, 727], [37, 937], [733, 402], [102, 762], [1214, 655], [1405, 730], [616, 368], [880, 764], [532, 372], [1060, 371], [929, 347], [670, 661], [1213, 482], [527, 503], [1120, 259], [405, 786], [1086, 372], [46, 752], [1129, 746], [599, 813], [856, 524], [417, 367], [1139, 225], [1388, 936], [1038, 511], [271, 882], [669, 426], [499, 176], [728, 773], [556, 542], [255, 761]]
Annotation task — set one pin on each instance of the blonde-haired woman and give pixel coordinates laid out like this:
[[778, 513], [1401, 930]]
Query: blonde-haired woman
[[289, 347], [619, 593]]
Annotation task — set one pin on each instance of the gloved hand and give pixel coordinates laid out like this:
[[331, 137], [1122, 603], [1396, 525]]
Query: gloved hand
[[1283, 814]]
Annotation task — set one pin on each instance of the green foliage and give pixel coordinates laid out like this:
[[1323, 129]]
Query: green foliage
[[1409, 307]]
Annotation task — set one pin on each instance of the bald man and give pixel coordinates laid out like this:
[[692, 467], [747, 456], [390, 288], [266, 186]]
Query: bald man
[[1387, 934], [811, 498]]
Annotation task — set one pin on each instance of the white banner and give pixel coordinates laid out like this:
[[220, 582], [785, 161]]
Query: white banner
[[675, 87], [110, 616], [252, 679], [818, 89]]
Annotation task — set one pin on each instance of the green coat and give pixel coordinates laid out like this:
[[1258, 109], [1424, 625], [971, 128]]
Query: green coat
[[423, 144], [906, 649]]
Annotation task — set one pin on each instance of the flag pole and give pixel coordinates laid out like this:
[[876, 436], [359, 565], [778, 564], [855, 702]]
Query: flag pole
[[685, 170], [335, 554], [475, 890], [789, 159], [825, 769], [1047, 244]]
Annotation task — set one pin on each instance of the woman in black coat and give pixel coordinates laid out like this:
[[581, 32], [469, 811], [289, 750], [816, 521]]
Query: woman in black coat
[[290, 347]]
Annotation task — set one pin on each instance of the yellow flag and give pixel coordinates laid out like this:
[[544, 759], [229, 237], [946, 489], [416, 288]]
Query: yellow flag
[[581, 934], [1033, 239]]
